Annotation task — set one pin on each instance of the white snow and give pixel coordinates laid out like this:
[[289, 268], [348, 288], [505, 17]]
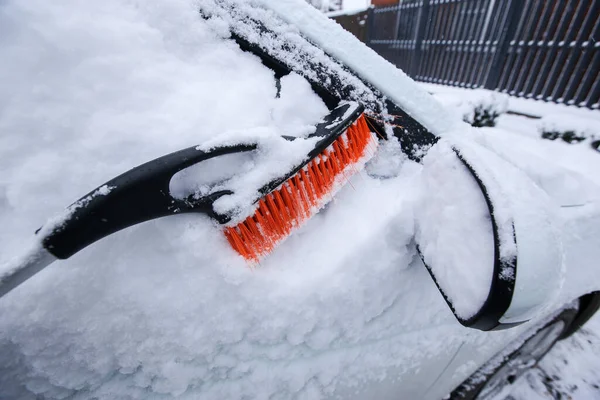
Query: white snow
[[568, 371], [465, 103], [541, 108], [455, 222], [275, 157], [202, 178], [521, 105], [167, 309], [454, 225], [585, 128]]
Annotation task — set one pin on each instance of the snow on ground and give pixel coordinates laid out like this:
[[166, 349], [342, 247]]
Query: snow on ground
[[569, 371], [565, 125], [533, 108], [468, 101]]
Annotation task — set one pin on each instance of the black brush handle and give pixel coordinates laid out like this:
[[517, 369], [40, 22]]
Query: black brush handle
[[138, 195]]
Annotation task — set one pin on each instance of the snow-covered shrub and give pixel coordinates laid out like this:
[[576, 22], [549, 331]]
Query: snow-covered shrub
[[478, 107], [484, 107], [482, 116], [568, 128]]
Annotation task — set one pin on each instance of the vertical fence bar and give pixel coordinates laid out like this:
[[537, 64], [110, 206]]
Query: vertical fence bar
[[500, 12], [370, 25], [542, 48], [456, 45], [565, 11], [593, 59], [489, 39], [447, 55], [562, 41], [569, 54], [508, 31], [593, 99], [427, 67], [530, 72], [588, 80], [577, 63], [526, 45], [435, 19], [479, 44], [466, 51], [476, 45], [463, 44], [514, 50], [588, 60], [432, 40], [416, 60]]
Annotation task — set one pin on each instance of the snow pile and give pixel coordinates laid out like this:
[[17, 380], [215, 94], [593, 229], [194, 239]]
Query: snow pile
[[477, 107], [569, 129], [388, 160]]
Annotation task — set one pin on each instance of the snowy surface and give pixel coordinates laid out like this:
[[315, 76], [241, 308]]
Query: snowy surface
[[584, 128], [454, 225], [467, 104], [533, 108], [167, 309], [569, 371]]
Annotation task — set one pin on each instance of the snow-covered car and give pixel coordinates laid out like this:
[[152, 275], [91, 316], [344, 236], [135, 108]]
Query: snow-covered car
[[450, 266]]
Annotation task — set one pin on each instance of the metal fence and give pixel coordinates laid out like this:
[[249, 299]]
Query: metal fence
[[542, 49]]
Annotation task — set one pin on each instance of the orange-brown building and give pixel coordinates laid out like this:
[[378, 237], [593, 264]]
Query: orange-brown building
[[384, 2]]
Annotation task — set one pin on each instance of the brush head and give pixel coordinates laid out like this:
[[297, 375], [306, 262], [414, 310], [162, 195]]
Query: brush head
[[291, 200]]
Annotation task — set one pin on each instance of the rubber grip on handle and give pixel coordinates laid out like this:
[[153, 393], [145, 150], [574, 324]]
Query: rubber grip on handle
[[138, 195]]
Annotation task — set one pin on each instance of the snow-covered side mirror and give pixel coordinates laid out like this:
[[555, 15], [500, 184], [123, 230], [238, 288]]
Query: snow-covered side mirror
[[486, 235]]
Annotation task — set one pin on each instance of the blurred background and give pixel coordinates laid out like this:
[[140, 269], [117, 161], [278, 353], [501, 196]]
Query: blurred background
[[540, 49]]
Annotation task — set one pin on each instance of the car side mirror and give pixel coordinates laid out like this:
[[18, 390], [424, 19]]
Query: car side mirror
[[486, 233]]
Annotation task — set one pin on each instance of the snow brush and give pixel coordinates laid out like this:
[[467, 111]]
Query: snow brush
[[291, 200], [343, 143]]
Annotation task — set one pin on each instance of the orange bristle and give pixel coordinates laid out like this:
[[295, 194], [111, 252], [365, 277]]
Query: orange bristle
[[293, 202]]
